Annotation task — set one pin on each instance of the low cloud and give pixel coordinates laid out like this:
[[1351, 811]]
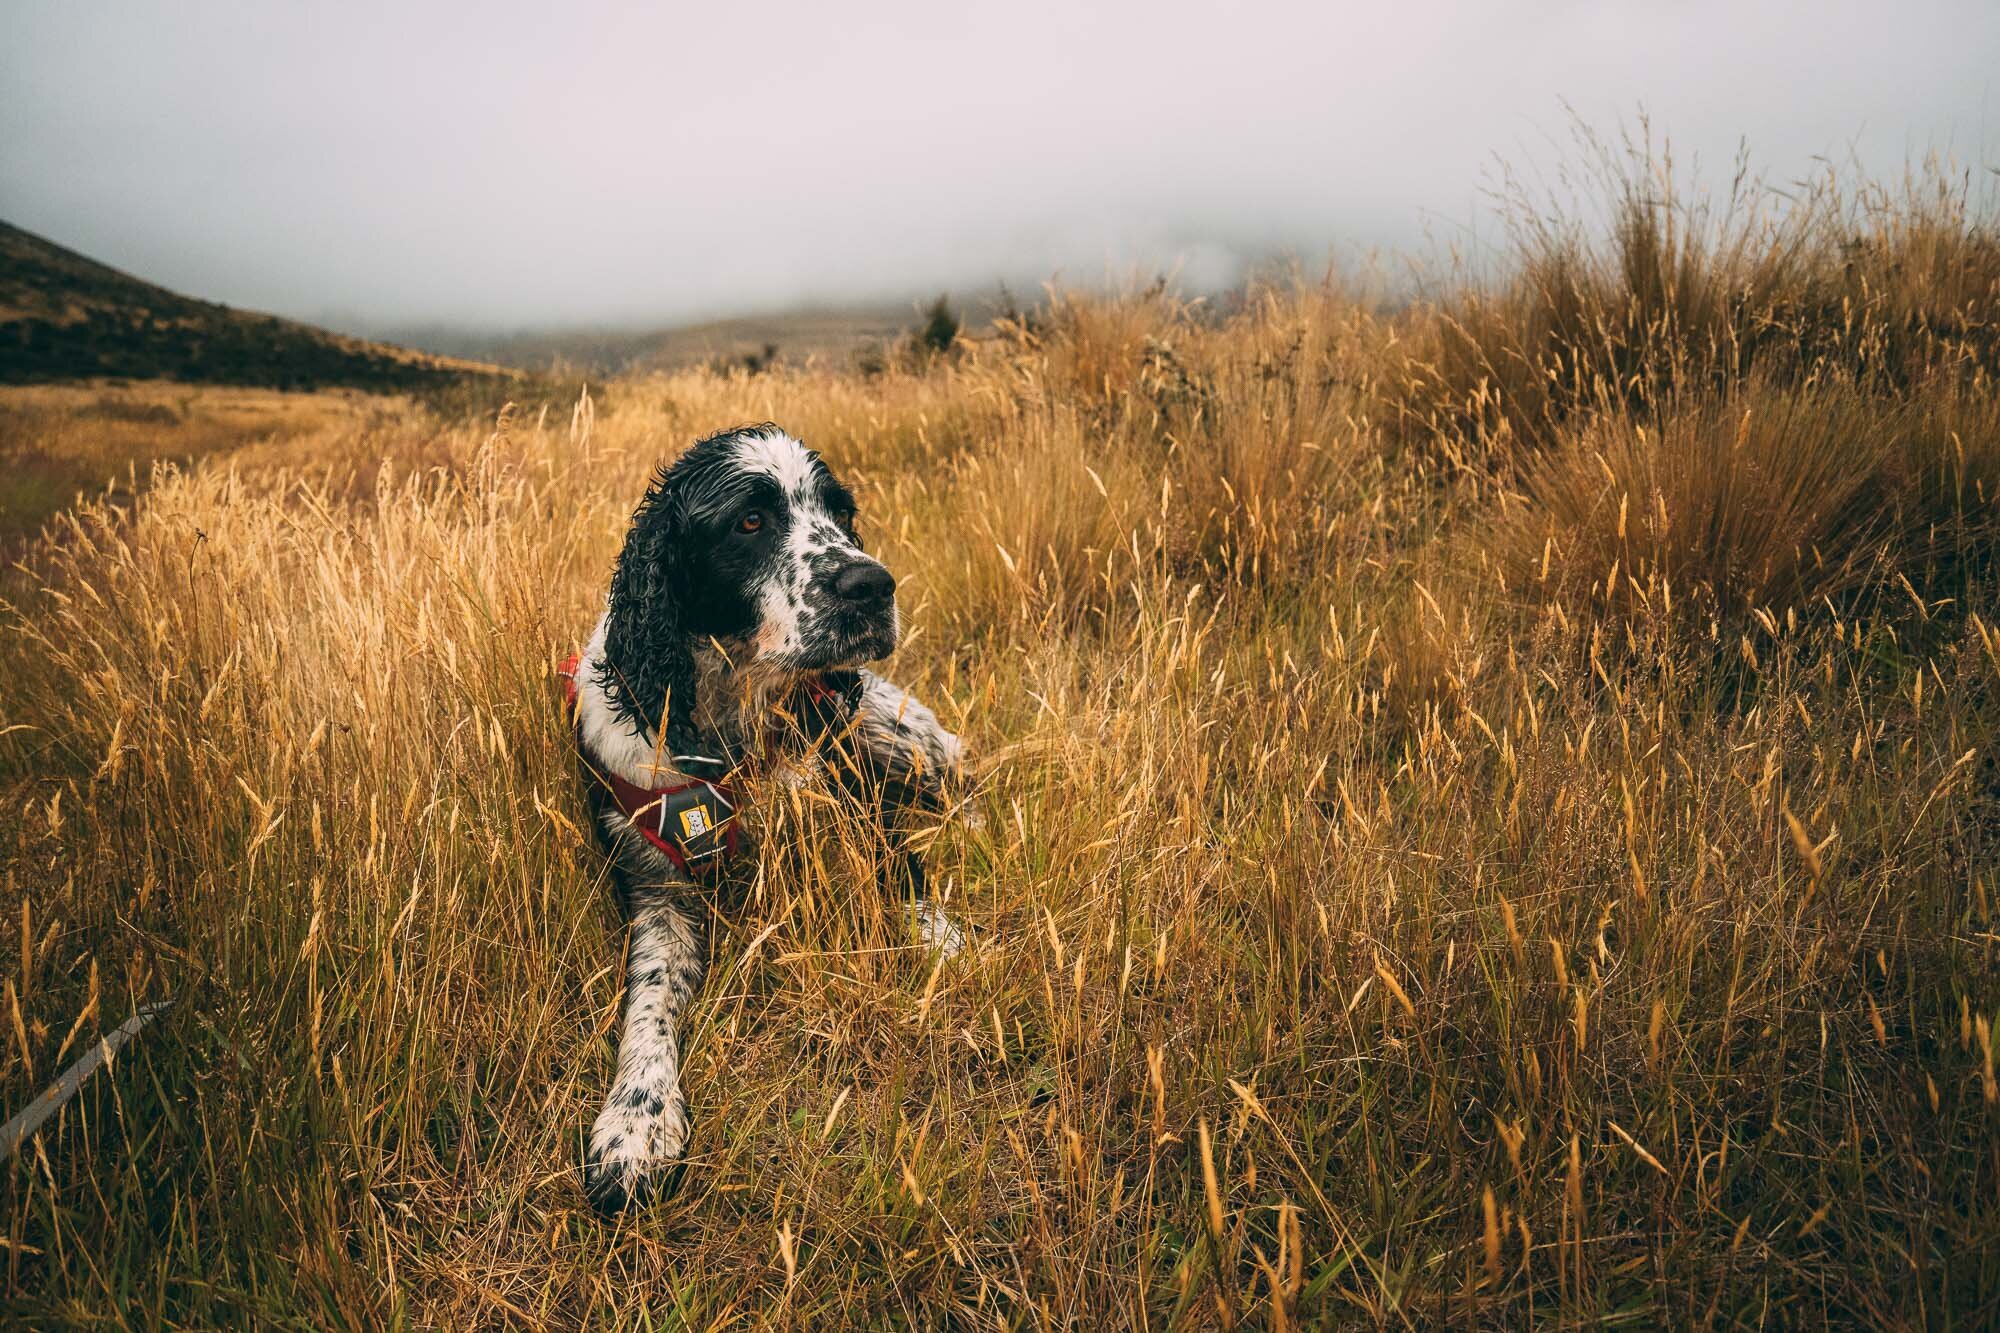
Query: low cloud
[[505, 167]]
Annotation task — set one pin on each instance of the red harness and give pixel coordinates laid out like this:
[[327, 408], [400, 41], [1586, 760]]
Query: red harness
[[691, 820]]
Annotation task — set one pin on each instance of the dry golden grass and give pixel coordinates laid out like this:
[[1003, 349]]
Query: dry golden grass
[[1391, 914], [58, 441]]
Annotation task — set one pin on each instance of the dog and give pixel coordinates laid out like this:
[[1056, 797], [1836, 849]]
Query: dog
[[740, 612]]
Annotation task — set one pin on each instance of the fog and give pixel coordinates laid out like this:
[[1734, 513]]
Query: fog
[[504, 166]]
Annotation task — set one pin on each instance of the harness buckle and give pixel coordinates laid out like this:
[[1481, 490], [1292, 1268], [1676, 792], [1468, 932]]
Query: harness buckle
[[698, 820]]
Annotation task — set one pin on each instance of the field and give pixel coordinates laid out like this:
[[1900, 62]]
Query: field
[[1490, 816], [58, 441]]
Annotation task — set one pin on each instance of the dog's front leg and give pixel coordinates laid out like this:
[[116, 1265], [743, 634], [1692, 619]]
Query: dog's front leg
[[637, 1142], [919, 764]]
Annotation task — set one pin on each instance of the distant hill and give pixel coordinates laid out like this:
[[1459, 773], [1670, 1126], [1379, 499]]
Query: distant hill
[[825, 334], [67, 317]]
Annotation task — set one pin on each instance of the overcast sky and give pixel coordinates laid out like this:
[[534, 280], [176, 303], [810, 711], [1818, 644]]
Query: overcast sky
[[508, 165]]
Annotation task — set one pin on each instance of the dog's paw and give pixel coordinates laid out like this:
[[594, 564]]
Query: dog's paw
[[633, 1159], [935, 930]]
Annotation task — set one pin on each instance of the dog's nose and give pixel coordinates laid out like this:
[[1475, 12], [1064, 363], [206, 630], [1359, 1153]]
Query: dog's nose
[[864, 583]]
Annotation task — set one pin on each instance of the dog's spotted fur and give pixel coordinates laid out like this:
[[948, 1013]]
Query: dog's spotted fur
[[714, 629]]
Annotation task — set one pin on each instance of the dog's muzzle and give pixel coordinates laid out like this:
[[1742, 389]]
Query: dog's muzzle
[[864, 585], [859, 619]]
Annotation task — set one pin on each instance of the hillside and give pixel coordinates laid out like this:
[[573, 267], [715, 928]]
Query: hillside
[[67, 317]]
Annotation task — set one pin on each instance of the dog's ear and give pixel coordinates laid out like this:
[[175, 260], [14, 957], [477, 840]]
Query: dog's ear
[[648, 662]]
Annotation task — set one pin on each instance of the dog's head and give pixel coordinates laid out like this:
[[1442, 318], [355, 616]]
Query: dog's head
[[747, 539]]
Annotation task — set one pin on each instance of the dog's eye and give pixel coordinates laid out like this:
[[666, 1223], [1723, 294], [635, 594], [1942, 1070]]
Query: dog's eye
[[751, 522]]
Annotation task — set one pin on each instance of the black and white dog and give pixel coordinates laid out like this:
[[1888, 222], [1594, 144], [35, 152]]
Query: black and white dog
[[740, 611]]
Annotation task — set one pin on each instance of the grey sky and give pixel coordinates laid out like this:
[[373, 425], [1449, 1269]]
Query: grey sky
[[511, 165]]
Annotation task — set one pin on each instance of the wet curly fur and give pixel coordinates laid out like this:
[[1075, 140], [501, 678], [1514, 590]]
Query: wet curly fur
[[741, 580]]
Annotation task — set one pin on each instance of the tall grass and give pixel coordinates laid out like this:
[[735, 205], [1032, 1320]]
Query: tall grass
[[1463, 851], [1672, 289], [1765, 497]]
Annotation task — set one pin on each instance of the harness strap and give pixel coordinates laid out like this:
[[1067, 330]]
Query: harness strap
[[691, 820]]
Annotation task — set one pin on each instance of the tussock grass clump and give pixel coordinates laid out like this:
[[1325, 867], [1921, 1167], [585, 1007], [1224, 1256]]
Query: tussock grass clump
[[1392, 912], [1674, 292], [1772, 499]]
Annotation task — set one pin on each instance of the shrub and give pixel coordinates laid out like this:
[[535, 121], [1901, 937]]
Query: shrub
[[941, 325]]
